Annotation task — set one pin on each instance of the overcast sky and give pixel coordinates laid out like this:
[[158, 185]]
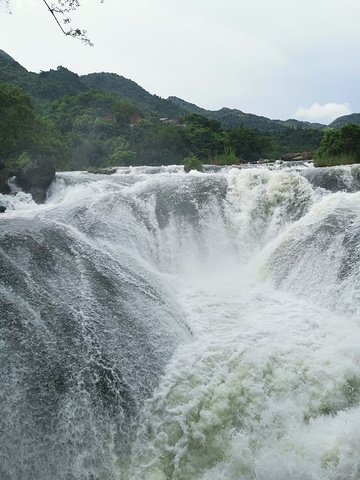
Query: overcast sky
[[280, 58]]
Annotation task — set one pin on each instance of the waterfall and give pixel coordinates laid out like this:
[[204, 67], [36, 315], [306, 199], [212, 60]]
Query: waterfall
[[160, 325]]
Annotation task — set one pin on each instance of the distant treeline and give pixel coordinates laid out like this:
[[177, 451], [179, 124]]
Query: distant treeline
[[93, 129]]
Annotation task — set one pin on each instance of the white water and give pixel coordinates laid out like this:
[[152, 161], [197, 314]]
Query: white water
[[263, 267]]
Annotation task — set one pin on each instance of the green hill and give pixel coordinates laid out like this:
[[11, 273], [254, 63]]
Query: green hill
[[231, 118], [105, 119], [44, 87], [12, 72], [47, 86], [131, 92], [341, 121]]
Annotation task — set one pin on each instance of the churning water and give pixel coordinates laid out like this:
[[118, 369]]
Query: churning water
[[159, 325]]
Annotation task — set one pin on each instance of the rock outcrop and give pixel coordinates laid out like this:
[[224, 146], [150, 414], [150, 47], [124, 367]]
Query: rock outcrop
[[299, 156], [34, 178], [103, 171], [4, 175]]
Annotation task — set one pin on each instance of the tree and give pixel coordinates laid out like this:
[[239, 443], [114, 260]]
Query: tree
[[16, 119], [122, 155], [350, 139], [294, 140], [248, 144], [61, 11], [157, 143], [205, 138], [339, 146]]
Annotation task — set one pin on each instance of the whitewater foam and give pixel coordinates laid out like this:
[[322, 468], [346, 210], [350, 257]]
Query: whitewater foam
[[162, 325]]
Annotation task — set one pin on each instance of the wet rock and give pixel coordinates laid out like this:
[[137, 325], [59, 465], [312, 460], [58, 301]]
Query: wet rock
[[299, 156], [103, 171], [4, 175], [36, 177], [2, 209]]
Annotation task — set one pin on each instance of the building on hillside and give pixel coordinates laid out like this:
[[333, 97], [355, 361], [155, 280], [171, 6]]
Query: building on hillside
[[171, 120], [134, 118], [110, 118]]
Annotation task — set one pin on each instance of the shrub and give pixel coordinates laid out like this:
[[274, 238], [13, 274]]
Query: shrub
[[227, 158], [339, 147], [192, 163]]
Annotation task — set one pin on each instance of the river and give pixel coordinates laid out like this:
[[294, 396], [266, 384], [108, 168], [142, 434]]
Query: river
[[158, 325]]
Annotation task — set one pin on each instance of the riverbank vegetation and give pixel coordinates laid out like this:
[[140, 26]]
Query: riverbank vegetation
[[91, 129], [339, 147]]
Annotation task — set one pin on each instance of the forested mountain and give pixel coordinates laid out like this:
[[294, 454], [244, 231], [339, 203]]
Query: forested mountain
[[341, 121], [12, 72], [51, 85], [231, 118], [104, 119], [48, 86], [44, 87], [131, 92]]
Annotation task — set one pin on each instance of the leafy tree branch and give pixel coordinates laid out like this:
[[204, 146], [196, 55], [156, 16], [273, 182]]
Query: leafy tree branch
[[61, 11]]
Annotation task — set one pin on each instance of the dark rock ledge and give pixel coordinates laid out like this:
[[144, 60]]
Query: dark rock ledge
[[34, 178]]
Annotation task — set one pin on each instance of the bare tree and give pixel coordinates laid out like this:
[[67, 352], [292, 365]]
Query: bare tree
[[61, 12]]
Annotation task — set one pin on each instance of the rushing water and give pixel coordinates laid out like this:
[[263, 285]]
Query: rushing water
[[160, 325]]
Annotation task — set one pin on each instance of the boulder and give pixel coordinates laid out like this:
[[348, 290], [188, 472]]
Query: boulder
[[36, 177], [299, 156], [4, 175]]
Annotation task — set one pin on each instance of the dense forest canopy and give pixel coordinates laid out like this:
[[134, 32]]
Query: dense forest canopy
[[97, 129], [101, 120], [17, 119]]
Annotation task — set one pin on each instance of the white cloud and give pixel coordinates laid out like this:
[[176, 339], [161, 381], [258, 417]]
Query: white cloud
[[322, 113]]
